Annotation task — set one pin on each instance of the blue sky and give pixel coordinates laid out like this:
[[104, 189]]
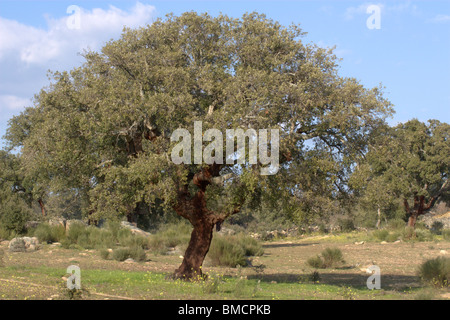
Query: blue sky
[[409, 54]]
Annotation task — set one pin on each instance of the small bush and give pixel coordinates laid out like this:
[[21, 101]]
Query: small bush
[[346, 225], [424, 235], [381, 234], [5, 234], [396, 224], [323, 228], [329, 258], [226, 253], [104, 254], [170, 236], [114, 227], [436, 272], [437, 227], [332, 257], [48, 234], [211, 286], [315, 262], [14, 215], [100, 238], [75, 231], [250, 245], [137, 253], [124, 236], [121, 254], [409, 233], [446, 234], [392, 237]]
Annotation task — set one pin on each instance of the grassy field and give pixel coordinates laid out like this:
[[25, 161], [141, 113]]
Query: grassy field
[[281, 273]]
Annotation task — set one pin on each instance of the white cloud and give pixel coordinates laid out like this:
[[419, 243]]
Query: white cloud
[[441, 18], [27, 52], [59, 43], [13, 103]]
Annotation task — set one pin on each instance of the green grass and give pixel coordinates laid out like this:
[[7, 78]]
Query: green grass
[[148, 285]]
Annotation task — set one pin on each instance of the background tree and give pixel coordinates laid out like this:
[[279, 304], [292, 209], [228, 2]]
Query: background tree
[[16, 199], [104, 129], [410, 163]]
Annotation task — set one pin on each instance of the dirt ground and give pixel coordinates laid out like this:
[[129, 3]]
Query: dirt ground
[[283, 262]]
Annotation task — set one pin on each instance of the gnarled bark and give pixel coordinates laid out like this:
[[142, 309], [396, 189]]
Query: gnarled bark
[[201, 237], [202, 219]]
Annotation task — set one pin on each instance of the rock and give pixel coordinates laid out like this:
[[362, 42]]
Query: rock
[[359, 243], [31, 225], [175, 251], [57, 222], [129, 260], [443, 252], [24, 244], [256, 236], [134, 229], [226, 231], [70, 223], [383, 242], [429, 218]]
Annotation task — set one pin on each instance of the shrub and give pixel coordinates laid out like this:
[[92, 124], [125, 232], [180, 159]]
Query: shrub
[[250, 245], [323, 228], [100, 238], [113, 227], [14, 215], [137, 253], [123, 236], [170, 236], [121, 254], [446, 234], [226, 253], [396, 224], [423, 235], [436, 272], [332, 257], [437, 227], [211, 285], [408, 233], [381, 234], [346, 225], [392, 237], [47, 233], [5, 234], [315, 262], [75, 231], [104, 254], [136, 241], [329, 258]]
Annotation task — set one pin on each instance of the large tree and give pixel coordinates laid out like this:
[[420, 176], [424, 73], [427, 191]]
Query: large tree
[[104, 128], [410, 163]]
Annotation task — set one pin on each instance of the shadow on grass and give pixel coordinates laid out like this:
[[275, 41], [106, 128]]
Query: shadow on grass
[[355, 280], [288, 245]]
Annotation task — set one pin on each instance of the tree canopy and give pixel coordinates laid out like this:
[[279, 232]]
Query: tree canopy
[[409, 162], [103, 129]]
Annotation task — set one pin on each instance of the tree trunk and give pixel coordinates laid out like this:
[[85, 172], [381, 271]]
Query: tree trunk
[[201, 237], [379, 218], [416, 211], [412, 220], [41, 204]]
